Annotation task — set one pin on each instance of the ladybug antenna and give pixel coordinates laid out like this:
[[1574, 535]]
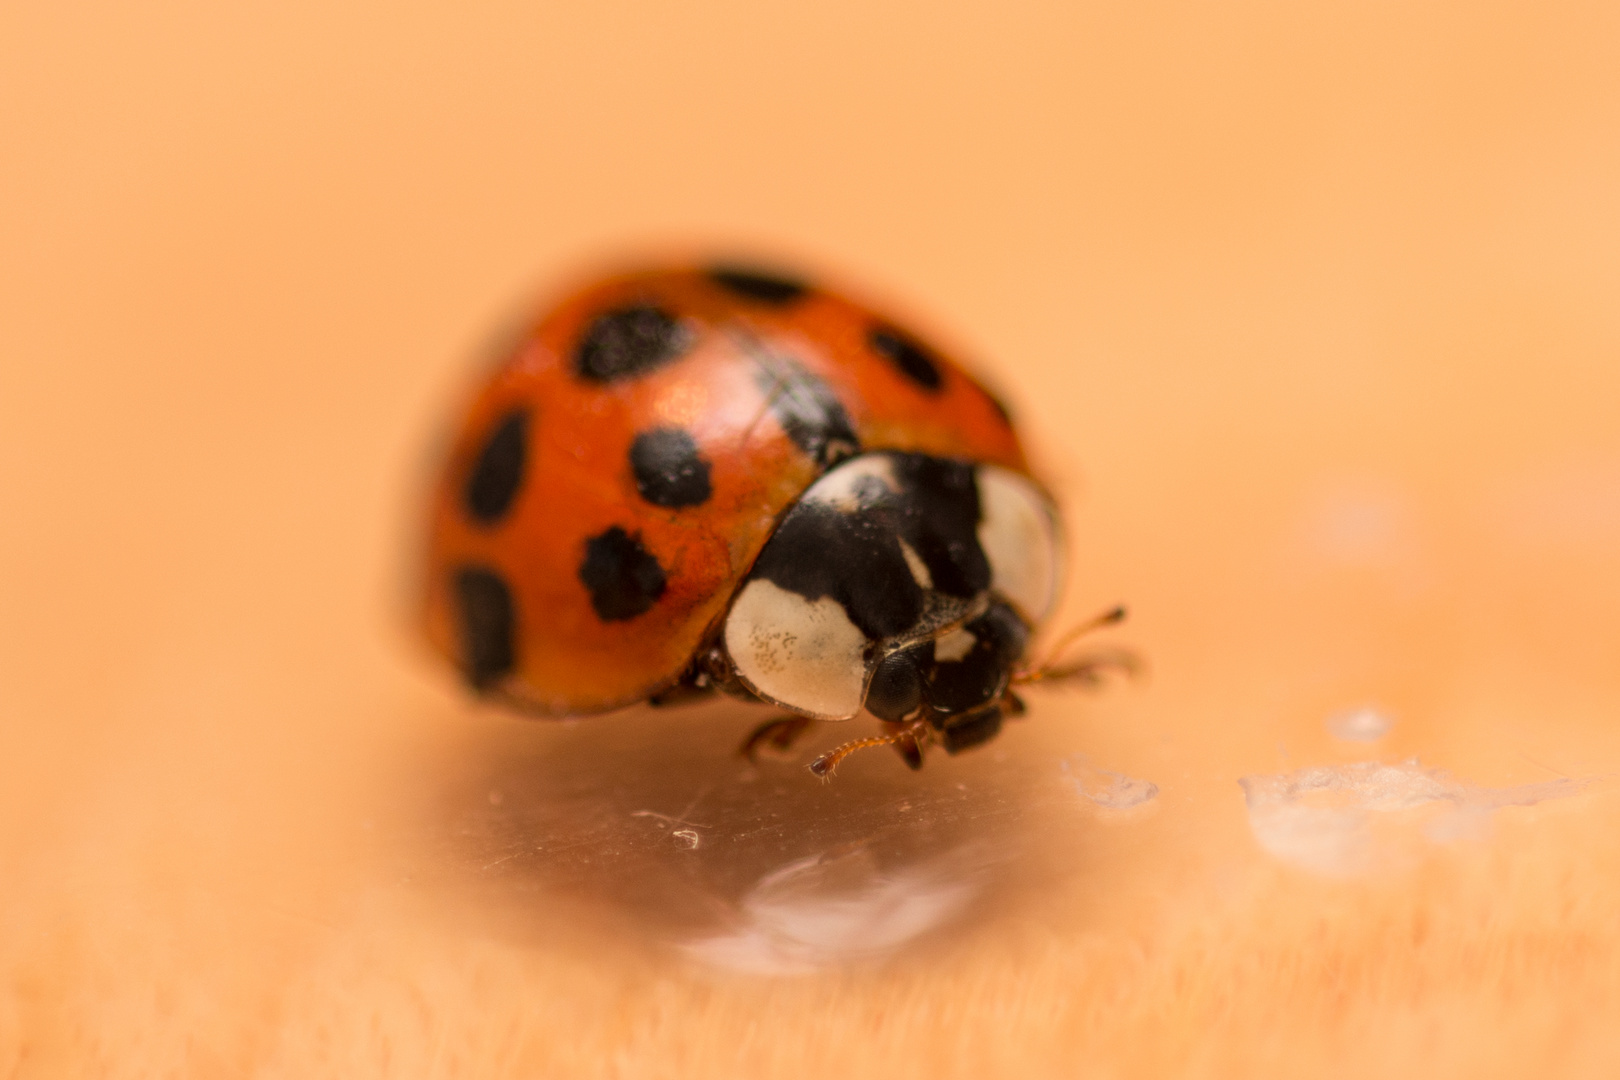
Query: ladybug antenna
[[1087, 669], [827, 763]]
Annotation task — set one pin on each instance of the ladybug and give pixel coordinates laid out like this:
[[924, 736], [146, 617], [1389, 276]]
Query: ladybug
[[719, 479]]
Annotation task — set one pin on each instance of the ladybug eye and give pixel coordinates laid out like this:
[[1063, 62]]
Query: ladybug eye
[[897, 683]]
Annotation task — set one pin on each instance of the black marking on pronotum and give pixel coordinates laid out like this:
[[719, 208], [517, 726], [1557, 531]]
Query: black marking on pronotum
[[629, 341], [852, 557], [623, 578], [807, 409], [818, 551], [910, 356], [854, 554], [940, 520], [498, 472], [488, 624], [667, 468], [766, 288]]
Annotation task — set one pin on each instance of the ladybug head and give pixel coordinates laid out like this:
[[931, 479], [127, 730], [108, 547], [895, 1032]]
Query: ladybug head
[[903, 583], [956, 682]]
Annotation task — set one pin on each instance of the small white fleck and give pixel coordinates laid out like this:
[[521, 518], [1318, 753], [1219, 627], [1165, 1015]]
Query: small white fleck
[[1110, 790], [1364, 724], [688, 837], [918, 568]]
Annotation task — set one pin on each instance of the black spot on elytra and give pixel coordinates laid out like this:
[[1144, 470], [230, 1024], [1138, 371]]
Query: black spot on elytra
[[912, 358], [668, 470], [757, 285], [488, 624], [623, 578], [629, 341], [498, 472], [808, 411]]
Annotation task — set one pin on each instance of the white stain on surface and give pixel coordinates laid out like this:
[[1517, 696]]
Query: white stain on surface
[[1109, 790], [1343, 820], [1365, 724], [834, 909]]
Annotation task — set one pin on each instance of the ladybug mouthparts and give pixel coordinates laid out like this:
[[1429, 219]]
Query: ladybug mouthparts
[[902, 583], [955, 682]]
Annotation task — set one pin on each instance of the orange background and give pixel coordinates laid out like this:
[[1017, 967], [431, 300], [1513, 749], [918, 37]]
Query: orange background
[[1310, 311]]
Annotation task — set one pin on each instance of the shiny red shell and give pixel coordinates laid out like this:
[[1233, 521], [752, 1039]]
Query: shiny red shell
[[547, 645]]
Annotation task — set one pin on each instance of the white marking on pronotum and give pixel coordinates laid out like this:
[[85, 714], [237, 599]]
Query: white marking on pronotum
[[802, 654], [918, 568], [1018, 532], [854, 484]]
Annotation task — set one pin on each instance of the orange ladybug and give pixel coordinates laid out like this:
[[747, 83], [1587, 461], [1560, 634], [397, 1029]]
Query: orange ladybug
[[720, 479]]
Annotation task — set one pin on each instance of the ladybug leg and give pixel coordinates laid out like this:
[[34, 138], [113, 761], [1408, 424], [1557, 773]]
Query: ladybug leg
[[899, 735], [909, 749], [1087, 670], [777, 736]]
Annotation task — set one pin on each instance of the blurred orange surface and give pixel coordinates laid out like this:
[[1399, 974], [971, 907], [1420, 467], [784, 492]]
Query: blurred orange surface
[[1310, 314]]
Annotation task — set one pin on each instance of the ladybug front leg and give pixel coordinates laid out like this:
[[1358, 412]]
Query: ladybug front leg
[[777, 736], [908, 743], [908, 738], [1087, 670]]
